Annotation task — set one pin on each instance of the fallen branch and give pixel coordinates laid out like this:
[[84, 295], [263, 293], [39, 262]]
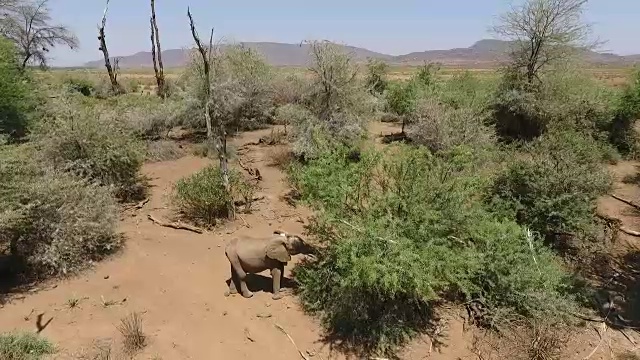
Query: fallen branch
[[252, 171], [628, 202], [173, 225], [629, 231], [139, 205], [618, 224], [243, 202], [244, 221], [293, 342]]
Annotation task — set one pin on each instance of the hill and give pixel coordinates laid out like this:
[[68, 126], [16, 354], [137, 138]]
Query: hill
[[486, 52]]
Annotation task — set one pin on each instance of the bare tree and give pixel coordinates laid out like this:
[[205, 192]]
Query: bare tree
[[28, 25], [156, 52], [112, 71], [543, 32], [220, 139]]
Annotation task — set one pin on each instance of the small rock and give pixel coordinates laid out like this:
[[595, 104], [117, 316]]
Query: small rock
[[300, 220], [224, 313], [106, 277], [264, 315]]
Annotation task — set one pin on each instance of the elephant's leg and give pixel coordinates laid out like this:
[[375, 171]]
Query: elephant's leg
[[241, 276], [233, 286], [277, 274]]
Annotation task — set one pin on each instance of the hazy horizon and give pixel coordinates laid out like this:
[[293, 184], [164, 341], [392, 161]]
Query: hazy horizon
[[402, 27]]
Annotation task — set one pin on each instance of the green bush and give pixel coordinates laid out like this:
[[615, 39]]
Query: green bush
[[24, 346], [554, 185], [55, 223], [377, 76], [203, 199], [402, 100], [83, 86], [291, 115], [16, 101], [94, 143], [566, 99], [622, 133], [465, 90], [426, 75], [402, 231]]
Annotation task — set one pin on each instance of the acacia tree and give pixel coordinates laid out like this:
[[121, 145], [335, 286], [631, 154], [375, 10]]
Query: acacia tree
[[28, 25], [156, 52], [220, 138], [543, 32]]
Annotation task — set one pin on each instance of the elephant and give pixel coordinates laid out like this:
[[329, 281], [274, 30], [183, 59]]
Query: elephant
[[248, 255]]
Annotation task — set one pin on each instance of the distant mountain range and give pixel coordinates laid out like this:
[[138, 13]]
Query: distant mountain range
[[484, 53]]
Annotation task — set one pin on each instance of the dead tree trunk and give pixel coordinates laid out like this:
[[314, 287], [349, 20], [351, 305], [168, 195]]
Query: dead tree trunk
[[156, 52], [220, 139], [113, 76]]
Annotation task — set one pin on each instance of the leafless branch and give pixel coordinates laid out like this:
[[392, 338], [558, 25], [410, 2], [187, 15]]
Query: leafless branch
[[156, 52], [112, 71]]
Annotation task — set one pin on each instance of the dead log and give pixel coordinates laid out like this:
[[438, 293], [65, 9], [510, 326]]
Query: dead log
[[175, 225], [628, 202], [113, 74]]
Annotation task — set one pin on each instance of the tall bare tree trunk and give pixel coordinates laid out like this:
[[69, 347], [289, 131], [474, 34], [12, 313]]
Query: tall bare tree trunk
[[156, 52], [220, 139], [113, 76]]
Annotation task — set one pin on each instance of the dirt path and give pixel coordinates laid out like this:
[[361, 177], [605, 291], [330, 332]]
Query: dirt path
[[177, 280]]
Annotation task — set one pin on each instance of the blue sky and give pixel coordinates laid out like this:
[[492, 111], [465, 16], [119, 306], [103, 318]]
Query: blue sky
[[393, 27]]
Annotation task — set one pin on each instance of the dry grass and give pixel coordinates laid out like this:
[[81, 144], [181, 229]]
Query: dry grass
[[535, 340], [133, 338], [163, 150], [276, 137], [280, 156]]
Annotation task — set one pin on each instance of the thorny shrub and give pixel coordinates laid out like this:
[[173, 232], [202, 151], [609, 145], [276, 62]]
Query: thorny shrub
[[553, 186], [376, 80], [441, 128], [240, 90], [202, 197], [55, 223], [403, 230], [566, 99], [338, 102], [93, 143]]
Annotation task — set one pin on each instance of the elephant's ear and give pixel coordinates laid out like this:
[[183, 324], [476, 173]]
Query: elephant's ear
[[277, 250]]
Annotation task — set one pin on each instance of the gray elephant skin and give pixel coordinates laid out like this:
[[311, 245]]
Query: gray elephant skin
[[249, 255]]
